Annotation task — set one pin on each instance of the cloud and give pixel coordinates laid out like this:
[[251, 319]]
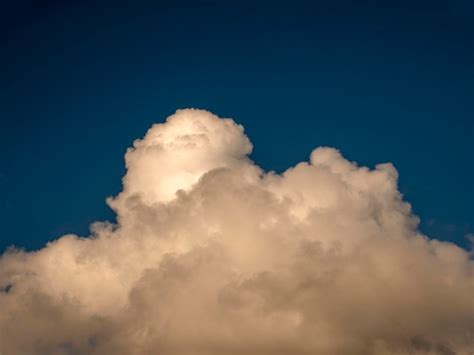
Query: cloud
[[211, 255]]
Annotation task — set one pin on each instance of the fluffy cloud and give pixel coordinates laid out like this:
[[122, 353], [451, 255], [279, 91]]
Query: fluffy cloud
[[212, 255]]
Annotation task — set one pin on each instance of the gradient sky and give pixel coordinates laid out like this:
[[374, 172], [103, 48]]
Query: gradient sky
[[382, 83]]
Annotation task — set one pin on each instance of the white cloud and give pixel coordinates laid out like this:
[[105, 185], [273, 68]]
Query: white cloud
[[213, 256]]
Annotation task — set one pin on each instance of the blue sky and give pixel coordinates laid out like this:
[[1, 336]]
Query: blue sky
[[81, 81]]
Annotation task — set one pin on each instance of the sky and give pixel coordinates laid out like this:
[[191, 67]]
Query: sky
[[389, 82], [236, 177]]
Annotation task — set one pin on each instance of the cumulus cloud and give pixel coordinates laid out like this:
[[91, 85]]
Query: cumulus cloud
[[211, 255]]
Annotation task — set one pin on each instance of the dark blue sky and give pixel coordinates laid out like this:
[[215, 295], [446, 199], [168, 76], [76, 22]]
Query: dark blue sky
[[379, 80]]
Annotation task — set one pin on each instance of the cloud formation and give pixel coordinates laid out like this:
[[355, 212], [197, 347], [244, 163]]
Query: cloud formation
[[211, 255]]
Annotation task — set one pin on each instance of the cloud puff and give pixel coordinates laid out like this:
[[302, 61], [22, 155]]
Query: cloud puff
[[212, 255]]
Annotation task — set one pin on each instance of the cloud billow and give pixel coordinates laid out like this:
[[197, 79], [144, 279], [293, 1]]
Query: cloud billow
[[211, 255]]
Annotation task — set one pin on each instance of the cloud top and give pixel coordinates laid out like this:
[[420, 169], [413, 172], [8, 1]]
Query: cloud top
[[212, 255]]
